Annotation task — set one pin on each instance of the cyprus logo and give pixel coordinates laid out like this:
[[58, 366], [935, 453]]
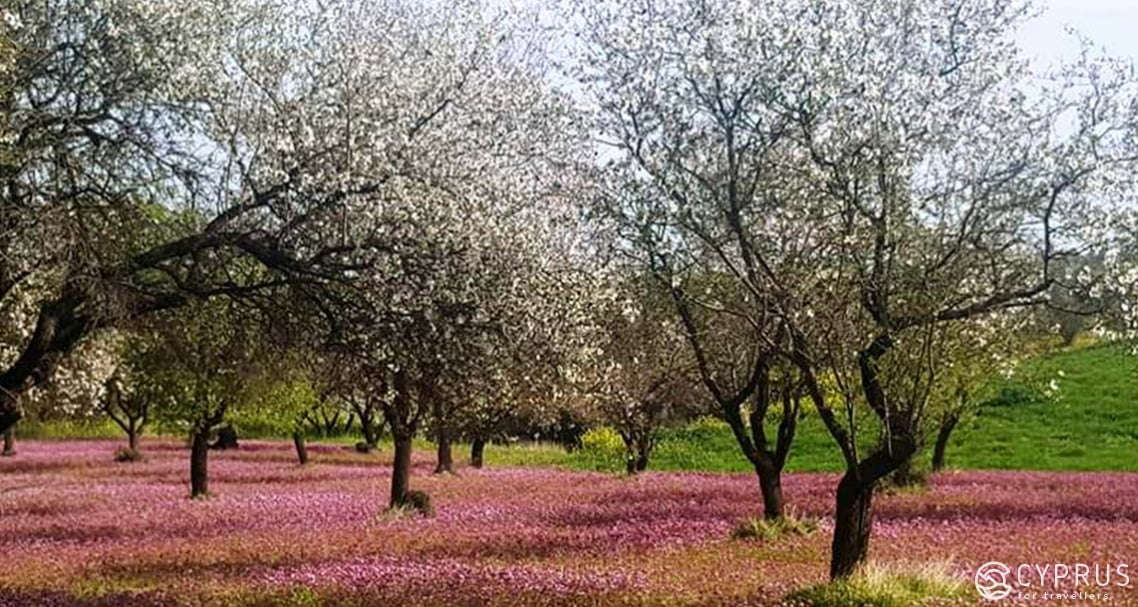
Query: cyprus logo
[[992, 580]]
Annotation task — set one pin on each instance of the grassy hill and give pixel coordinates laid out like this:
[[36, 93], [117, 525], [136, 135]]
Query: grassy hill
[[1093, 425]]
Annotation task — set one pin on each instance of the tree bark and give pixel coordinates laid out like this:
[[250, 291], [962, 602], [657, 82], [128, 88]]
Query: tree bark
[[9, 411], [199, 459], [401, 470], [370, 426], [132, 438], [643, 452], [770, 485], [947, 425], [445, 456], [903, 476], [477, 449], [371, 438], [9, 442], [301, 447], [853, 522]]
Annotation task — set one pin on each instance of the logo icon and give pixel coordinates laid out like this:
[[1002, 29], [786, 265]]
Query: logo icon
[[992, 581]]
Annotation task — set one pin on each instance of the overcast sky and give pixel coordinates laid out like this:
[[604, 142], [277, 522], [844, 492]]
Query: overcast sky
[[1109, 23]]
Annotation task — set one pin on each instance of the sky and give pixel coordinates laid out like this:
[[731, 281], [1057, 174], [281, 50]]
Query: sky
[[1112, 24]]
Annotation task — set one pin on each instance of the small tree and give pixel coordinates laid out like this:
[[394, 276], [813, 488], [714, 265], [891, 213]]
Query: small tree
[[286, 394], [129, 410], [643, 373], [205, 362]]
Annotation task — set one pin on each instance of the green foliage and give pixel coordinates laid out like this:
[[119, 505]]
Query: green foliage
[[772, 529], [201, 364], [1014, 394], [601, 449], [68, 429], [876, 586], [277, 409]]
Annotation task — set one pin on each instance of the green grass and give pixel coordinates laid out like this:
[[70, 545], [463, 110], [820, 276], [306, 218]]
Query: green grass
[[885, 587], [771, 530], [1092, 426]]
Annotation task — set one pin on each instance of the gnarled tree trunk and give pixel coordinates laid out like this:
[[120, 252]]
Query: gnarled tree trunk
[[199, 460], [445, 462], [853, 521], [853, 517], [770, 485], [9, 442], [947, 425], [477, 449], [768, 462], [133, 434], [401, 470], [301, 445]]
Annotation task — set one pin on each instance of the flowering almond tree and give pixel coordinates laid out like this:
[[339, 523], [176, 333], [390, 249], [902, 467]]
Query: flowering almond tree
[[860, 172], [464, 167], [159, 152], [643, 376], [201, 364]]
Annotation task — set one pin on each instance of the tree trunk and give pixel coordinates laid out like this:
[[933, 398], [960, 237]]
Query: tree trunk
[[643, 451], [770, 485], [9, 410], [401, 470], [369, 431], [853, 521], [301, 447], [477, 448], [445, 457], [947, 425], [132, 438], [199, 459], [903, 476], [9, 442], [637, 463]]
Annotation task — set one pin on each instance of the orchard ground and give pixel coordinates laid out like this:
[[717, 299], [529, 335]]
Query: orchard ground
[[80, 529]]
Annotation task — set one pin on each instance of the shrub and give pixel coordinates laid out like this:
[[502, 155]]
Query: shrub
[[601, 449], [420, 502], [1015, 395], [707, 424], [126, 454], [877, 586], [772, 529], [914, 480], [414, 503]]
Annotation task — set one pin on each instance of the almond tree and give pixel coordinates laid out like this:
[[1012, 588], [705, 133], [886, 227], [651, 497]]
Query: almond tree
[[860, 172], [643, 376], [203, 363], [129, 411], [437, 115], [154, 154]]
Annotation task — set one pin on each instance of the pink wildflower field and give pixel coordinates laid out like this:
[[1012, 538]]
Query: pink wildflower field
[[80, 529]]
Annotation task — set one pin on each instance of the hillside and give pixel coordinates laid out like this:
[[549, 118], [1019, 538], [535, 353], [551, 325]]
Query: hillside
[[1092, 425]]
